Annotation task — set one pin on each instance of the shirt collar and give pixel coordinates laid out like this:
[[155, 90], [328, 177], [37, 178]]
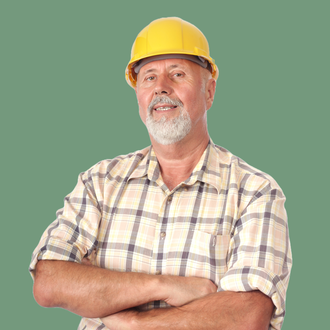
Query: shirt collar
[[148, 166], [207, 169], [142, 169]]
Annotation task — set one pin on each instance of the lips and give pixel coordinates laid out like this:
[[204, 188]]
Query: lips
[[165, 107], [163, 103]]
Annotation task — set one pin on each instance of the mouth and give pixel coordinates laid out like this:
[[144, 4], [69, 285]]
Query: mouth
[[165, 107], [164, 104]]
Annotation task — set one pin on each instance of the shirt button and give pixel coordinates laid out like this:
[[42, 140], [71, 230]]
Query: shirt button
[[185, 189], [158, 272], [169, 199], [162, 234]]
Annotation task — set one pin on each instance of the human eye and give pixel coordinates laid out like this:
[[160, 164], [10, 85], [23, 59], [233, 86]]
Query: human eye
[[150, 78], [178, 75]]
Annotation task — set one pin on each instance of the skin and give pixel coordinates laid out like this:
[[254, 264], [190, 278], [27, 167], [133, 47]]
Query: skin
[[222, 310], [94, 292], [195, 88]]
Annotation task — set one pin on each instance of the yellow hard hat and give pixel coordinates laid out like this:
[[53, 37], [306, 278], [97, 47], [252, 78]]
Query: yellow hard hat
[[171, 35]]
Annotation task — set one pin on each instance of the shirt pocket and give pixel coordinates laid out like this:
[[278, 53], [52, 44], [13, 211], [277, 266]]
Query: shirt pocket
[[198, 254]]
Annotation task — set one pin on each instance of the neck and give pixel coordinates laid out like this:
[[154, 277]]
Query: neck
[[178, 160]]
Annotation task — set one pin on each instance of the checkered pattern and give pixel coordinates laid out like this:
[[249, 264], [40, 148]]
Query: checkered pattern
[[226, 222]]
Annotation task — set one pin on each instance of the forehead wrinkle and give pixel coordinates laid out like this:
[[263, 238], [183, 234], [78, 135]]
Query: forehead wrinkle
[[172, 66], [148, 71]]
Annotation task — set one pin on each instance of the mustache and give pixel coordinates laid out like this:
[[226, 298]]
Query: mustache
[[164, 99]]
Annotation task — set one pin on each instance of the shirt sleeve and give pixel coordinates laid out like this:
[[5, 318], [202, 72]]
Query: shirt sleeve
[[73, 234], [259, 255]]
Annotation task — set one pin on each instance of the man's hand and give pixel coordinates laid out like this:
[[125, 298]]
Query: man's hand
[[178, 290], [121, 321]]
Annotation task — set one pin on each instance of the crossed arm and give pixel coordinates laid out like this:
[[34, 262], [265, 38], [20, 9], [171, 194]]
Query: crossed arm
[[221, 310], [99, 293]]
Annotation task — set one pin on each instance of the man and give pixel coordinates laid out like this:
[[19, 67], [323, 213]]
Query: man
[[183, 224]]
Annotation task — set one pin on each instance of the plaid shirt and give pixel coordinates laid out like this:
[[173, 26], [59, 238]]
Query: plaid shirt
[[226, 222]]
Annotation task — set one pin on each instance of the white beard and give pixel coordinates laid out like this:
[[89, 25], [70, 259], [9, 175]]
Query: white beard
[[168, 131]]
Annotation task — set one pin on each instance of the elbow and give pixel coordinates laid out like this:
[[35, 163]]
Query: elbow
[[257, 313], [260, 318], [42, 290], [41, 295]]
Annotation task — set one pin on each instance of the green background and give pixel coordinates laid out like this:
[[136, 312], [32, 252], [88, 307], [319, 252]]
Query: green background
[[65, 105]]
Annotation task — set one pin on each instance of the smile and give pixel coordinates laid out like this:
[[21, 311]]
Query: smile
[[164, 108]]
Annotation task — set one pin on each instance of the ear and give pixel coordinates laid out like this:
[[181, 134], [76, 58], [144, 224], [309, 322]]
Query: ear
[[210, 92]]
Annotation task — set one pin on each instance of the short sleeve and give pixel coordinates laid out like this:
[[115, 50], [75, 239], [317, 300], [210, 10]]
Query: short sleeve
[[73, 234], [259, 256]]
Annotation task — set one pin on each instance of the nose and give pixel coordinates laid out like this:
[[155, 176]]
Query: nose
[[163, 86]]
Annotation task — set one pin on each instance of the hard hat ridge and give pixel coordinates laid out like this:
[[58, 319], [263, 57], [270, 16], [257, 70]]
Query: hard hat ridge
[[196, 59]]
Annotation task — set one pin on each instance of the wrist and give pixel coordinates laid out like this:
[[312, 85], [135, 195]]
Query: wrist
[[164, 285]]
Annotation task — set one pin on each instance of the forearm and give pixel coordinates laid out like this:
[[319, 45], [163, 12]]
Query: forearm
[[223, 310], [95, 292], [91, 291]]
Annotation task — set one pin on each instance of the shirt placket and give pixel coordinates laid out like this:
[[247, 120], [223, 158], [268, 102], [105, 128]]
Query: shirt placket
[[161, 233]]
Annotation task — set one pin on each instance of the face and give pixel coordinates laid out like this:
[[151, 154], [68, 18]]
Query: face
[[173, 97]]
